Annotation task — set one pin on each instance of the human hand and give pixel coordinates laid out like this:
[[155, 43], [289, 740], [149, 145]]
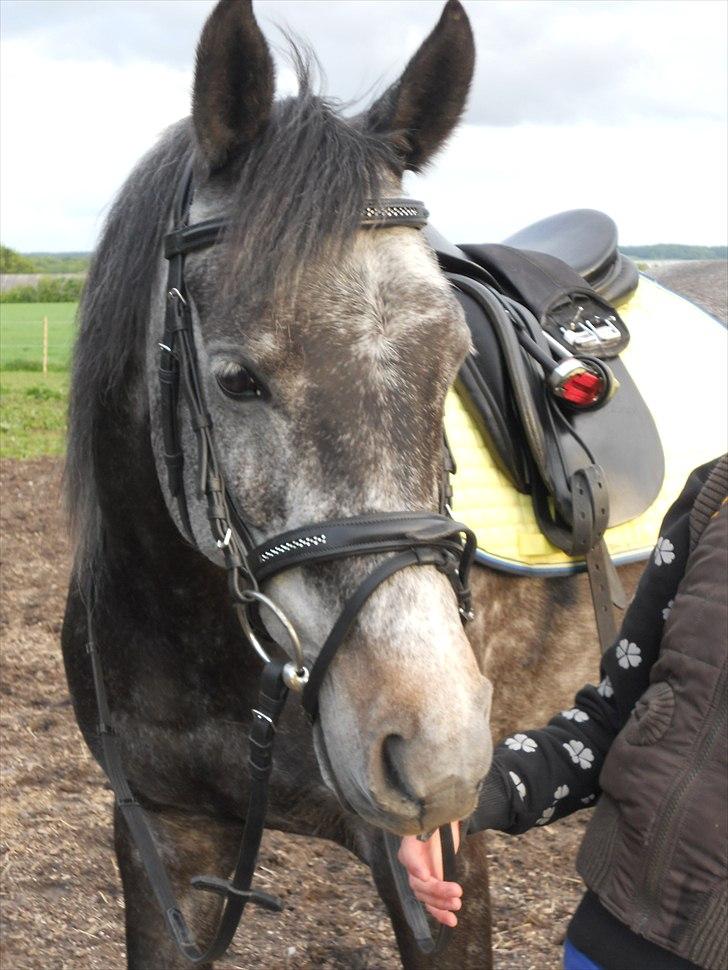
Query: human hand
[[423, 862]]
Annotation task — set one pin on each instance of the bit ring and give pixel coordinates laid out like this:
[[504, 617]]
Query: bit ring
[[296, 653]]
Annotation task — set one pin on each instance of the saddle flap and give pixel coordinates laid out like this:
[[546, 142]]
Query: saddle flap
[[624, 438], [535, 440]]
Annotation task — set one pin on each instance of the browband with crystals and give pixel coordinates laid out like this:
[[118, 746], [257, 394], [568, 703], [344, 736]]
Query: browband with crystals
[[377, 213], [395, 212]]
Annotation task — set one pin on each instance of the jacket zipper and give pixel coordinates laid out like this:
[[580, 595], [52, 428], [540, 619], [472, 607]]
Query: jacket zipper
[[663, 840]]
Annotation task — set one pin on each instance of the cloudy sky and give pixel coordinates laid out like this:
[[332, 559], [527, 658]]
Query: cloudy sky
[[619, 106]]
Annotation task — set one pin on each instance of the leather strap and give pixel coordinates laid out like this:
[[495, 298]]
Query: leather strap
[[237, 891], [598, 563], [356, 536], [349, 613], [413, 911], [497, 313], [377, 214], [585, 537], [418, 538]]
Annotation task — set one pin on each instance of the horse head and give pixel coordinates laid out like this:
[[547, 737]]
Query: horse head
[[325, 350]]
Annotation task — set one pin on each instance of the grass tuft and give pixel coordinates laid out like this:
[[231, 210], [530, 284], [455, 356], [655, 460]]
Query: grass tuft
[[44, 393]]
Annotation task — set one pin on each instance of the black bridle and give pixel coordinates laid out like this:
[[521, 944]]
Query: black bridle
[[403, 539]]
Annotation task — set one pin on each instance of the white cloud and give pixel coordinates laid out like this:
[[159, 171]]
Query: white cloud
[[660, 182], [617, 106], [72, 130]]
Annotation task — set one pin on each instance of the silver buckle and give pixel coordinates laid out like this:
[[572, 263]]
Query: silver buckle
[[222, 543], [598, 332], [174, 294]]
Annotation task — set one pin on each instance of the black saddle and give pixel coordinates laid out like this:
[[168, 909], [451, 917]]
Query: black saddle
[[545, 449], [586, 240]]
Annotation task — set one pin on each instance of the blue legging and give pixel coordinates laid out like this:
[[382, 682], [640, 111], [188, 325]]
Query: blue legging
[[575, 960]]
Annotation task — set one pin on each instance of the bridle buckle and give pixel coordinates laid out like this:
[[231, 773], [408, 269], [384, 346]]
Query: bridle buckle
[[174, 296], [225, 542]]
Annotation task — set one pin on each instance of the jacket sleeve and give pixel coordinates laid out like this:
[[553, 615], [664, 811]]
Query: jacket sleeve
[[541, 775]]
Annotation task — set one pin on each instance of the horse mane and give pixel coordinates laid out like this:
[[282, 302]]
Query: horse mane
[[296, 196]]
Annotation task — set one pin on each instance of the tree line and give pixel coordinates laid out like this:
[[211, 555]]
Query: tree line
[[675, 251], [12, 261], [51, 288]]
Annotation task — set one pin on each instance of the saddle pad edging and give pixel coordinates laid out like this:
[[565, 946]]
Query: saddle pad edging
[[570, 568]]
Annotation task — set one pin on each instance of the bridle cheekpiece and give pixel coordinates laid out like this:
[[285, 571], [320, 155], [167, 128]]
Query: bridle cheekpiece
[[399, 540]]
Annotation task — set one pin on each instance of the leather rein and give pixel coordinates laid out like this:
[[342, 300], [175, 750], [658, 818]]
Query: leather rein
[[405, 538]]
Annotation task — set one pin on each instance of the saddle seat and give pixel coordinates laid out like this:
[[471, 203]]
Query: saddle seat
[[586, 240]]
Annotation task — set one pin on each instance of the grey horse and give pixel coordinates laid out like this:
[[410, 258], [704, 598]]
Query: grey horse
[[355, 339]]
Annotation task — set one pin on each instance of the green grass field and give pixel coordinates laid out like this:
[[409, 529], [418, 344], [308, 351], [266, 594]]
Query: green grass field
[[21, 335], [32, 414], [33, 407]]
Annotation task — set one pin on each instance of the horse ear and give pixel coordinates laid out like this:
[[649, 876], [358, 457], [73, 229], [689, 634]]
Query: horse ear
[[234, 82], [423, 107]]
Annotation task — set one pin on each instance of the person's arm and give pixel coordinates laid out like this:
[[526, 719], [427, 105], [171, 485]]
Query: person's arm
[[540, 775]]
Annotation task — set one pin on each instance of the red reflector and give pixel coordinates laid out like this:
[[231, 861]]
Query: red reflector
[[583, 389]]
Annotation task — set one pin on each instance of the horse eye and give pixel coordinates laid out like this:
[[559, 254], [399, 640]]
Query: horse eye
[[237, 381]]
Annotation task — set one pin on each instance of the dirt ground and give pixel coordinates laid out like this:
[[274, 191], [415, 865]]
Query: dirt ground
[[61, 899], [61, 903]]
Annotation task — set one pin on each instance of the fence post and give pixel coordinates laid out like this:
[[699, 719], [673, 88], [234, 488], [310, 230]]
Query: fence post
[[45, 346]]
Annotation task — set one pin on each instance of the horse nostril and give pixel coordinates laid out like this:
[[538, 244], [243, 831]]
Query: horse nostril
[[393, 756]]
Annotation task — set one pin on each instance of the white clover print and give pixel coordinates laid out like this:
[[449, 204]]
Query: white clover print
[[579, 753], [546, 815], [668, 609], [588, 799], [521, 742], [575, 714], [605, 688], [520, 787], [628, 654], [664, 552], [561, 792]]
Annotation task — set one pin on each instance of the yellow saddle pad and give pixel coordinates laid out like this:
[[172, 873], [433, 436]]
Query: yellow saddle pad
[[677, 358]]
